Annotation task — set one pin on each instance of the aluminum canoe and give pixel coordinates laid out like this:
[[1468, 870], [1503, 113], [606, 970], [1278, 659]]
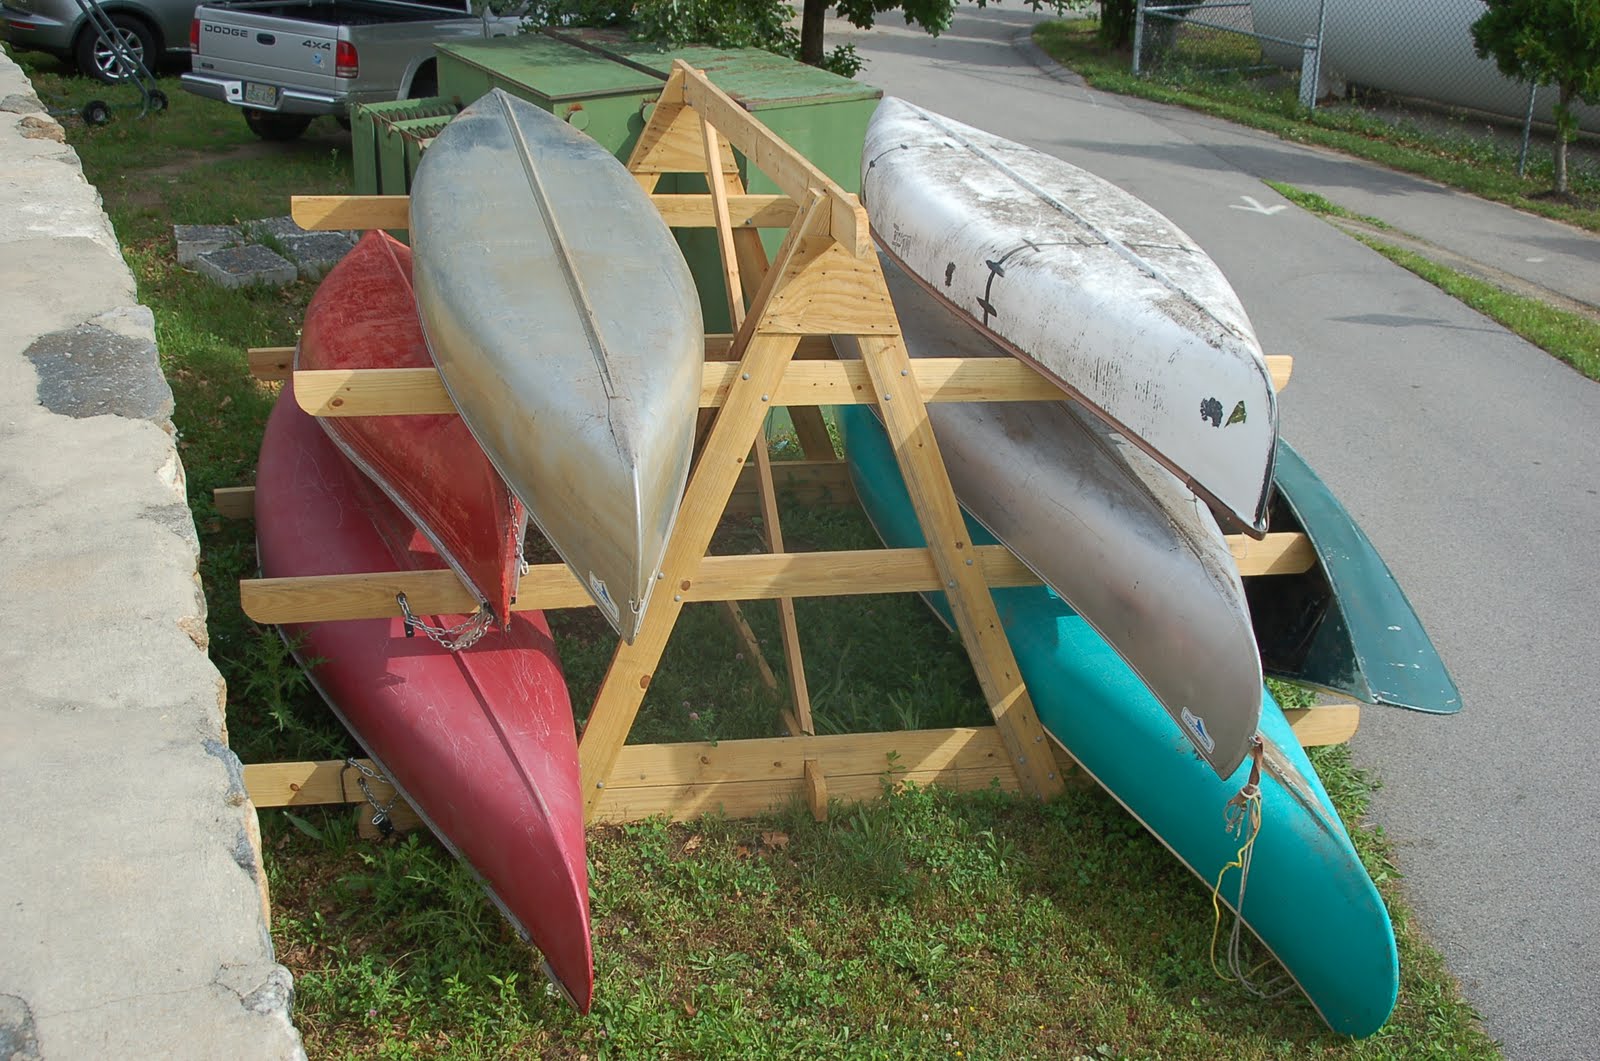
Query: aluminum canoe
[[1122, 540], [1088, 283], [364, 316], [481, 742], [566, 327], [1309, 899]]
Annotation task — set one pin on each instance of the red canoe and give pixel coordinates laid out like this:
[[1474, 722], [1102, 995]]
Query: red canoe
[[365, 316], [481, 741]]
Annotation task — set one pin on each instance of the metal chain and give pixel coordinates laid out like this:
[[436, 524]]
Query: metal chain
[[455, 638], [380, 817]]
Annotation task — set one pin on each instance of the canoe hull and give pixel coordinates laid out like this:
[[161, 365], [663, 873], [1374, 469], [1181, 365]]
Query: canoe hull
[[481, 742], [1309, 900], [1345, 625], [1125, 543], [364, 316], [1095, 288], [566, 326]]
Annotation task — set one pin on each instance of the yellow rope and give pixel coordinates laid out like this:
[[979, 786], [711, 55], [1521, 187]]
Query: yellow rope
[[1252, 815]]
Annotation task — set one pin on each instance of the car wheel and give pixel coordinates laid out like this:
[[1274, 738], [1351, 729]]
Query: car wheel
[[271, 126], [98, 59]]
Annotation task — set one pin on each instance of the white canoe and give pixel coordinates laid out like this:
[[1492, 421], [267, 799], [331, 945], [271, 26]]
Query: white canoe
[[1118, 537], [1089, 284], [565, 324]]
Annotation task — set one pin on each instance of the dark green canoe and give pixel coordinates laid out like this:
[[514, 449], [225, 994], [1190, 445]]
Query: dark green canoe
[[1344, 625]]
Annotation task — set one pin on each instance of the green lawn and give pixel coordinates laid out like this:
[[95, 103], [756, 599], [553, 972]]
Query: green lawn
[[925, 924]]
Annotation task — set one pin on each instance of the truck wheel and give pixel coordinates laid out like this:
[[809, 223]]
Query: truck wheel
[[99, 59], [271, 126]]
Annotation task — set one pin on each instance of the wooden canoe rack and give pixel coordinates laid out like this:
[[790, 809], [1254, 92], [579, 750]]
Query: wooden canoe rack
[[823, 281]]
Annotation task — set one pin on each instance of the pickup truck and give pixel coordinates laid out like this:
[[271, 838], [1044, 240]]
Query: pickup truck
[[284, 63]]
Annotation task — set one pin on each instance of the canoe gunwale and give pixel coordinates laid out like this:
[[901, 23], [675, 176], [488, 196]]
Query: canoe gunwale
[[1256, 530]]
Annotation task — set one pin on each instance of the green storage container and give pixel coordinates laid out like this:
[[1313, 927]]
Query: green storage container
[[374, 149], [595, 93]]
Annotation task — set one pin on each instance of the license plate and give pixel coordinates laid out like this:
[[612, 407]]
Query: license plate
[[262, 95]]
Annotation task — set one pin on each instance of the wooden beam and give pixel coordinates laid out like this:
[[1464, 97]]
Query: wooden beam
[[905, 421], [751, 576], [747, 211], [747, 777], [411, 391], [234, 502], [741, 251], [350, 211], [816, 790], [789, 170], [819, 482], [271, 363], [1324, 724]]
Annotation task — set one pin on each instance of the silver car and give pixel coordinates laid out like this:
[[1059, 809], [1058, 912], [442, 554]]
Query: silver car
[[149, 29]]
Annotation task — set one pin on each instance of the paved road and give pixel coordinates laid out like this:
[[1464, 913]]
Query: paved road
[[1469, 456]]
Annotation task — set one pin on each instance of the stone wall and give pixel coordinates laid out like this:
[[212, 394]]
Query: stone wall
[[133, 903]]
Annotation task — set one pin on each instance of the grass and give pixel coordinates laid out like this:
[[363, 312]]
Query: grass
[[1570, 337], [1473, 164], [926, 924]]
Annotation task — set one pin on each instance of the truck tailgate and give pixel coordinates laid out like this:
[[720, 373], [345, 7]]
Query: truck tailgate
[[266, 49]]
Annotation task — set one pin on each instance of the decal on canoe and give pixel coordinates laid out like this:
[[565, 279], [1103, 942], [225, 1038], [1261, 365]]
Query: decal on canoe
[[1196, 725], [597, 587], [1237, 416], [1211, 409]]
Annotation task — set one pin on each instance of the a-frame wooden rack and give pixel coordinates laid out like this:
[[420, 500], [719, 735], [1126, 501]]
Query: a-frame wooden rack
[[824, 281]]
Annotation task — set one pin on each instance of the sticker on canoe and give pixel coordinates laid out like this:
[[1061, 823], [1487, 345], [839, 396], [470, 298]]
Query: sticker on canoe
[[1211, 409], [597, 589], [1197, 728]]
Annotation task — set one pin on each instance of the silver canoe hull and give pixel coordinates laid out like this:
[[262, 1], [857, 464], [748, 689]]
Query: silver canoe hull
[[566, 327], [1101, 292], [1117, 536]]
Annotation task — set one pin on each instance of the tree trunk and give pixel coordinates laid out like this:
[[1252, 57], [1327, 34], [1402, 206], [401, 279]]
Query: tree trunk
[[811, 19], [1564, 122]]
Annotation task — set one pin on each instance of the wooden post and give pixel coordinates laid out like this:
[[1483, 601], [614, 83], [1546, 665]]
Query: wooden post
[[734, 249]]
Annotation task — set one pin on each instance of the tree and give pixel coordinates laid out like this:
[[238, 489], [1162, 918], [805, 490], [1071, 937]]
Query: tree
[[1546, 42]]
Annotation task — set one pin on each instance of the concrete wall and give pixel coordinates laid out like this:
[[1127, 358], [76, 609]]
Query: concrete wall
[[133, 904]]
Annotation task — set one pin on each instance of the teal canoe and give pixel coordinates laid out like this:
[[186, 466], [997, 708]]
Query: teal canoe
[[1309, 900], [1344, 625]]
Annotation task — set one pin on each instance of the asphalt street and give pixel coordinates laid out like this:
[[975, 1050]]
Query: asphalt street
[[1469, 456]]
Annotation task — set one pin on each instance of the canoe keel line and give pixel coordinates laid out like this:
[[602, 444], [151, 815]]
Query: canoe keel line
[[825, 283]]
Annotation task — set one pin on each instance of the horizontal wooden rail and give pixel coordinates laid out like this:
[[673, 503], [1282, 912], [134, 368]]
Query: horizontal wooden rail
[[811, 482], [754, 576], [411, 391], [320, 212], [742, 778], [273, 363]]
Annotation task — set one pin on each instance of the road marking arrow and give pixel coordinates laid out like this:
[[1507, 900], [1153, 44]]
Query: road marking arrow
[[1254, 207]]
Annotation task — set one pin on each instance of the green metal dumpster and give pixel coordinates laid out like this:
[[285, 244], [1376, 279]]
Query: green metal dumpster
[[378, 149], [594, 92]]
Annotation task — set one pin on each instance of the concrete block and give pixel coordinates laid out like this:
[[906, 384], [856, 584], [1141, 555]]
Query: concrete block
[[195, 240], [316, 252], [242, 266]]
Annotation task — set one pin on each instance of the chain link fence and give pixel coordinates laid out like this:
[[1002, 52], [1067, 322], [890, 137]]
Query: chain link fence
[[1406, 64]]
